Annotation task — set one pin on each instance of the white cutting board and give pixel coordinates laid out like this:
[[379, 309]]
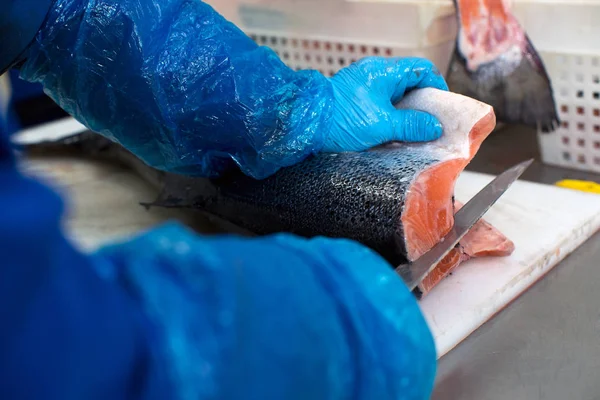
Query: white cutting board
[[545, 222]]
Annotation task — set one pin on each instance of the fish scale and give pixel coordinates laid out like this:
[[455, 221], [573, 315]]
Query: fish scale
[[358, 196]]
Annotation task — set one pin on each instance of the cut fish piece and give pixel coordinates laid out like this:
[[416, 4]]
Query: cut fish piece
[[452, 260], [483, 240]]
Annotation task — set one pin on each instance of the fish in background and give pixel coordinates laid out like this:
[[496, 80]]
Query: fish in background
[[495, 62]]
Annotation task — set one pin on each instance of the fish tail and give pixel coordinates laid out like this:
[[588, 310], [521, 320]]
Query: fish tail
[[495, 62]]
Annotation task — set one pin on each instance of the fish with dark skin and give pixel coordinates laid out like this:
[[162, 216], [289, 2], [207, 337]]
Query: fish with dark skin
[[495, 62], [397, 199]]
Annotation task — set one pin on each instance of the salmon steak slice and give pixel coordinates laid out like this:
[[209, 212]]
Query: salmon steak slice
[[427, 218]]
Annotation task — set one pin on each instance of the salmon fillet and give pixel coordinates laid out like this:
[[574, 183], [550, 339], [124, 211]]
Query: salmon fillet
[[397, 199]]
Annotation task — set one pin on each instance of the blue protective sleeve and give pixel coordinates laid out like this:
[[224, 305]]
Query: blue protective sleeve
[[20, 20], [178, 85], [276, 317], [65, 334]]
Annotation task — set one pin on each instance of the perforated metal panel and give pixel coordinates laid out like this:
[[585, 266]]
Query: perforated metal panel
[[328, 56], [576, 82]]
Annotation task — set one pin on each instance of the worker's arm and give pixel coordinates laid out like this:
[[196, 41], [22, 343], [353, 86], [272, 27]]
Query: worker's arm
[[187, 91], [64, 332], [20, 20], [170, 315], [277, 317]]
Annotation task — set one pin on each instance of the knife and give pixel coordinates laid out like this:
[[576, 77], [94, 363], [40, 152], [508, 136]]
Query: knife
[[413, 273]]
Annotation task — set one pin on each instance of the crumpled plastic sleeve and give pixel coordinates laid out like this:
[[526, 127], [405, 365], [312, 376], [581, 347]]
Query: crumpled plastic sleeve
[[178, 85], [276, 317]]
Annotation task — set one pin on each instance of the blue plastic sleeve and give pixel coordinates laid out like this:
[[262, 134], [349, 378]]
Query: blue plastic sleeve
[[179, 86], [20, 20]]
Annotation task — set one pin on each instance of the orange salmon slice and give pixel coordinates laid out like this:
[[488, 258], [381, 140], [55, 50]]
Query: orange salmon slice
[[429, 209]]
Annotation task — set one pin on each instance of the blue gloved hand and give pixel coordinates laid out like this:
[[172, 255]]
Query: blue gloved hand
[[276, 317], [188, 92], [365, 93]]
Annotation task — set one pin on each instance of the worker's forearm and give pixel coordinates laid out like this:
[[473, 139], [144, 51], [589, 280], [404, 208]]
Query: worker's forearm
[[178, 85], [277, 317], [64, 332]]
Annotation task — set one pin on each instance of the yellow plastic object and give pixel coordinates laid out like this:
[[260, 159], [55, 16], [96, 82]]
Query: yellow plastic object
[[584, 186]]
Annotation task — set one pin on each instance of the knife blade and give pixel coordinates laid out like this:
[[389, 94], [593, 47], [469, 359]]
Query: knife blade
[[413, 273]]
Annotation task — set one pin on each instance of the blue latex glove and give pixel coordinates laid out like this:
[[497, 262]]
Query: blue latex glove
[[188, 92], [364, 94]]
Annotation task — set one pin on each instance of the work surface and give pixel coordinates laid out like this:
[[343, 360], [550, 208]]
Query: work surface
[[545, 227], [544, 345]]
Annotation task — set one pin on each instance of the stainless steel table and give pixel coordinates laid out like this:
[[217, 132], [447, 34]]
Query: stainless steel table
[[546, 344]]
